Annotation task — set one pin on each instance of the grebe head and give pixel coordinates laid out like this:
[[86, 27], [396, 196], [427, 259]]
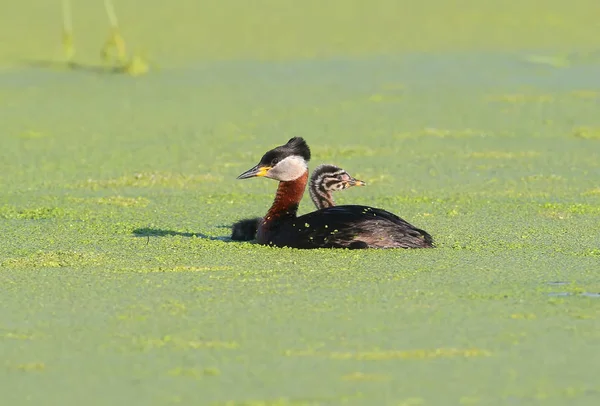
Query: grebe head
[[325, 180], [329, 178], [284, 163]]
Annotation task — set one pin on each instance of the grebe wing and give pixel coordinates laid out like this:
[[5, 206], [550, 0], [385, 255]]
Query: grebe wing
[[351, 226], [366, 211]]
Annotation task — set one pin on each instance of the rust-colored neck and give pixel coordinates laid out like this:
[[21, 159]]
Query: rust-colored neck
[[285, 205], [287, 198]]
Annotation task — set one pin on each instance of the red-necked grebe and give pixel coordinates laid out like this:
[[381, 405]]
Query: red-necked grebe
[[347, 226]]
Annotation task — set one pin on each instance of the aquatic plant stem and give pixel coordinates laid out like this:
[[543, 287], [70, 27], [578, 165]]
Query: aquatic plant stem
[[67, 35], [115, 39]]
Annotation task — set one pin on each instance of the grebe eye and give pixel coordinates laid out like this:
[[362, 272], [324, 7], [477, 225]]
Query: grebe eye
[[275, 161]]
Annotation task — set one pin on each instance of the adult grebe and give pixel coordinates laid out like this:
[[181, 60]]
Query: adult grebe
[[347, 226], [324, 180]]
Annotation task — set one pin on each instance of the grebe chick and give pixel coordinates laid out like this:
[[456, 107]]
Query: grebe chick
[[347, 226], [324, 180], [327, 179]]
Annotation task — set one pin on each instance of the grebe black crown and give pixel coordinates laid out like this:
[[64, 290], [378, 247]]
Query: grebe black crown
[[295, 146]]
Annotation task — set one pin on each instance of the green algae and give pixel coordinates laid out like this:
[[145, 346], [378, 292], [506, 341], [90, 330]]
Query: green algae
[[587, 133], [38, 213], [147, 180], [120, 284], [194, 373], [54, 259]]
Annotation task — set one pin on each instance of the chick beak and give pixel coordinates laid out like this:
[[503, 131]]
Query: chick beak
[[258, 170], [356, 182]]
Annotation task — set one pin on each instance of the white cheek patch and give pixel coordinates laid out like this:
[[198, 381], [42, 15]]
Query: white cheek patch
[[288, 169]]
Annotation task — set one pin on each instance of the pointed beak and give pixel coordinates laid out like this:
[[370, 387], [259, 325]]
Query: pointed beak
[[256, 171], [356, 182]]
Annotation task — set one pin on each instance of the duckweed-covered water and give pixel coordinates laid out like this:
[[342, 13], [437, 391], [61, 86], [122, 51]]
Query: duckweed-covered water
[[480, 124]]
